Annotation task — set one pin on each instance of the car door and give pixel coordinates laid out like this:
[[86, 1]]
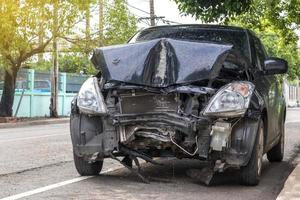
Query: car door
[[268, 86]]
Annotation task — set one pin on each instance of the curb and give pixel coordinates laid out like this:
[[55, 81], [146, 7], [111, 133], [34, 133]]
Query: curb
[[34, 123], [291, 188]]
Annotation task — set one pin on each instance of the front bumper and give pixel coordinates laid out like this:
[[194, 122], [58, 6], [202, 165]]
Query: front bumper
[[100, 136]]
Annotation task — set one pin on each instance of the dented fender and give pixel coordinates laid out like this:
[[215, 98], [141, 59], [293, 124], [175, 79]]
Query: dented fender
[[91, 135], [242, 142]]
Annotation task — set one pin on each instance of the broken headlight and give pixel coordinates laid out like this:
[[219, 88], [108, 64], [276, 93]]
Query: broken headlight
[[90, 99], [232, 100]]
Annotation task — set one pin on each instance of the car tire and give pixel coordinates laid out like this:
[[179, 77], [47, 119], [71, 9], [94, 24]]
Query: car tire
[[84, 168], [250, 174], [276, 153]]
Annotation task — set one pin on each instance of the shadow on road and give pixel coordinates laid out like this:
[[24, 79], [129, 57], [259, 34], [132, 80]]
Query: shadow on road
[[175, 171]]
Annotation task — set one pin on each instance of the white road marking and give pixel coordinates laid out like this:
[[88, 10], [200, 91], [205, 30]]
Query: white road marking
[[33, 137], [53, 186]]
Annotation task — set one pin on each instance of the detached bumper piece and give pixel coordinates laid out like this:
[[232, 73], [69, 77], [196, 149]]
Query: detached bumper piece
[[132, 155]]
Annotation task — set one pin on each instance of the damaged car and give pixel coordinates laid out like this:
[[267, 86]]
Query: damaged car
[[204, 92]]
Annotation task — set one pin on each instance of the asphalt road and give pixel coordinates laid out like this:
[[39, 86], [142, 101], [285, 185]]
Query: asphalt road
[[36, 163]]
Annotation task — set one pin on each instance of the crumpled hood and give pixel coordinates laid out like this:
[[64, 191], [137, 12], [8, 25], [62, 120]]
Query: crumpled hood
[[160, 62]]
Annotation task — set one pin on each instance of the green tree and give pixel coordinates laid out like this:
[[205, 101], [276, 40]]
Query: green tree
[[76, 59], [214, 10], [280, 12], [68, 62], [120, 24], [20, 29], [76, 63]]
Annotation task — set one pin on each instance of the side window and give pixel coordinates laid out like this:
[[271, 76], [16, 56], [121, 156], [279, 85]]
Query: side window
[[260, 53]]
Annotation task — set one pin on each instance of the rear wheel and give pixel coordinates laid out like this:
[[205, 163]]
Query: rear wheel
[[276, 153], [250, 174], [84, 168]]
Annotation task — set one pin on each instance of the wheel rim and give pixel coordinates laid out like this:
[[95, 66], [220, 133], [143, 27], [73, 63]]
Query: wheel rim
[[260, 151]]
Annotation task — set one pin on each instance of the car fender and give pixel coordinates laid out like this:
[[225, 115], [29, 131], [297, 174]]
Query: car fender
[[244, 133], [242, 142]]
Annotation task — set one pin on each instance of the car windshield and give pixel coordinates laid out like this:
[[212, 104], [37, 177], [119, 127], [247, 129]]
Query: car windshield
[[237, 38]]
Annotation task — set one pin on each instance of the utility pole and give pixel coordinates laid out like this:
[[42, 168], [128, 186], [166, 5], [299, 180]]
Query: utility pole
[[152, 18], [101, 22], [54, 72], [152, 15]]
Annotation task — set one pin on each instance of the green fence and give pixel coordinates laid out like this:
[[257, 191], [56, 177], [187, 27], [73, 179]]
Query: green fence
[[33, 92]]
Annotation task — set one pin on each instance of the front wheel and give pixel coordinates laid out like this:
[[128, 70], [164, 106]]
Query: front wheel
[[84, 168], [250, 174]]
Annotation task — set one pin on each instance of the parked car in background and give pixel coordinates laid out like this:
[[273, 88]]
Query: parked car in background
[[203, 92]]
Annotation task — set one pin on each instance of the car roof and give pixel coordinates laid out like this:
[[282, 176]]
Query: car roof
[[204, 26]]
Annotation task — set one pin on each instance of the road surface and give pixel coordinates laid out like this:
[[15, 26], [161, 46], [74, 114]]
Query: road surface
[[36, 163]]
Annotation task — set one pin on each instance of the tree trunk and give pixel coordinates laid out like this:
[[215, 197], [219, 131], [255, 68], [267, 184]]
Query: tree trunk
[[8, 94], [54, 82], [54, 74]]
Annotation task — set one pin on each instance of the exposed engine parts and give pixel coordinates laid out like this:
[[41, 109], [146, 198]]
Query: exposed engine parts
[[170, 121]]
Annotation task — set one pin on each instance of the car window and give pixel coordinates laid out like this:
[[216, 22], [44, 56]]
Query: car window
[[237, 38], [260, 53]]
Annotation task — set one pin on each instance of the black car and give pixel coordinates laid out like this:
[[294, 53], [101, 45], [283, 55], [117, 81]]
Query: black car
[[204, 92]]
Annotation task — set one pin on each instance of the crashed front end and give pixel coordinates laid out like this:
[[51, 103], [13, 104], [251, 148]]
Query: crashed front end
[[167, 98]]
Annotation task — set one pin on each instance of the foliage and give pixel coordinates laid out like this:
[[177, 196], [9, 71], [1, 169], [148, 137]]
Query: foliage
[[278, 11], [69, 63], [76, 63], [213, 10], [22, 22], [120, 24], [22, 25], [40, 66]]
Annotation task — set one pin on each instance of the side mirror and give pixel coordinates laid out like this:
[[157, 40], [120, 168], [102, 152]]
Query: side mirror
[[275, 66]]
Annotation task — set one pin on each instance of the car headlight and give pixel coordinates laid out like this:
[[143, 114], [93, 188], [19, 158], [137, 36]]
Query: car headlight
[[90, 99], [232, 100]]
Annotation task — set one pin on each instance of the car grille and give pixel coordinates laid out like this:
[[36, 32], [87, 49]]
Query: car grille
[[148, 102]]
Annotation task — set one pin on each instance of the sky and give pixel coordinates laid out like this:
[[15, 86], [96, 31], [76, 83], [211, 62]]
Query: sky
[[166, 8]]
